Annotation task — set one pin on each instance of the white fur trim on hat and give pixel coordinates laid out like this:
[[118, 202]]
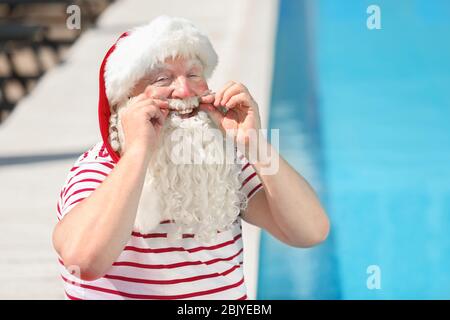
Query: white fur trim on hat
[[146, 45]]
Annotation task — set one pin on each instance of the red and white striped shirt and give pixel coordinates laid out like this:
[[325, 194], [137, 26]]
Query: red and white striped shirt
[[150, 267]]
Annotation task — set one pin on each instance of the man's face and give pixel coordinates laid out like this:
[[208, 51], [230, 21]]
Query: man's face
[[178, 79], [175, 78]]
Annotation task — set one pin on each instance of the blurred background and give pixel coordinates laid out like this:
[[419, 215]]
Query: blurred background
[[363, 115]]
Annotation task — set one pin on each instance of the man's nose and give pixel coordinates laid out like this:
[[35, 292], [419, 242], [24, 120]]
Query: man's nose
[[182, 89]]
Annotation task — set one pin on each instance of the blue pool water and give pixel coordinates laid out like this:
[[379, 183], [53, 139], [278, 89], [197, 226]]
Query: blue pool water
[[365, 116]]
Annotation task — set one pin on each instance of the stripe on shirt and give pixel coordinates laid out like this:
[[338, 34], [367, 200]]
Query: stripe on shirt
[[165, 297]]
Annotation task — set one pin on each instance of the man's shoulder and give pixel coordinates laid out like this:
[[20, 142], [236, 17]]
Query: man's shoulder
[[98, 153], [95, 163], [88, 171]]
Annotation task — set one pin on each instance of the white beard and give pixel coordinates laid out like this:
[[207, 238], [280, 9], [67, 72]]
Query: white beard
[[200, 198]]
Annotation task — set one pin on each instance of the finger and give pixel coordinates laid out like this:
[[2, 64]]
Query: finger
[[154, 114], [139, 97], [133, 100], [151, 110], [161, 104], [232, 91], [165, 112], [239, 99], [137, 101], [208, 98], [219, 94]]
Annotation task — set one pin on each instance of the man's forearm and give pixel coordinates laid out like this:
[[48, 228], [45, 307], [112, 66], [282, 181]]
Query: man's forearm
[[92, 235], [293, 203]]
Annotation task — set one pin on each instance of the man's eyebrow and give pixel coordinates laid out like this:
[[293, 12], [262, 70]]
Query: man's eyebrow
[[157, 68]]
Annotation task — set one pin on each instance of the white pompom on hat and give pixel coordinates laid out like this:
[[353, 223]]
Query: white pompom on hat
[[137, 52]]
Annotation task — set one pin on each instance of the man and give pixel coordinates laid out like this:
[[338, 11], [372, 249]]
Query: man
[[140, 221]]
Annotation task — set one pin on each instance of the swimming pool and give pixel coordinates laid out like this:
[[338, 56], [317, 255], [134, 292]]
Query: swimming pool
[[363, 115]]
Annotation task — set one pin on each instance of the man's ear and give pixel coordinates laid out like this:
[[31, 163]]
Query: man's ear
[[114, 108]]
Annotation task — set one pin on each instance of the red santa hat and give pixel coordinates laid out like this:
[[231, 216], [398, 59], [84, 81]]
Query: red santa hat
[[137, 51]]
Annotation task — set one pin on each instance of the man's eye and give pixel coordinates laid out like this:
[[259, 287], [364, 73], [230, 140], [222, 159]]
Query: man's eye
[[194, 75], [161, 81]]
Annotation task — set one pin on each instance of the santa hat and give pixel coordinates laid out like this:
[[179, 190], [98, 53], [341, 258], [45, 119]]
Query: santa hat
[[137, 51]]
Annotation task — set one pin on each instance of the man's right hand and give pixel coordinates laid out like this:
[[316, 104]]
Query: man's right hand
[[142, 120]]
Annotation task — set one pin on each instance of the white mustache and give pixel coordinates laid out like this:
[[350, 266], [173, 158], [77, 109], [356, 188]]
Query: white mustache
[[184, 106]]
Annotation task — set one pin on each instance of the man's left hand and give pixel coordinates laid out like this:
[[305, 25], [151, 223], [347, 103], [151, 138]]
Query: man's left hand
[[233, 109]]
